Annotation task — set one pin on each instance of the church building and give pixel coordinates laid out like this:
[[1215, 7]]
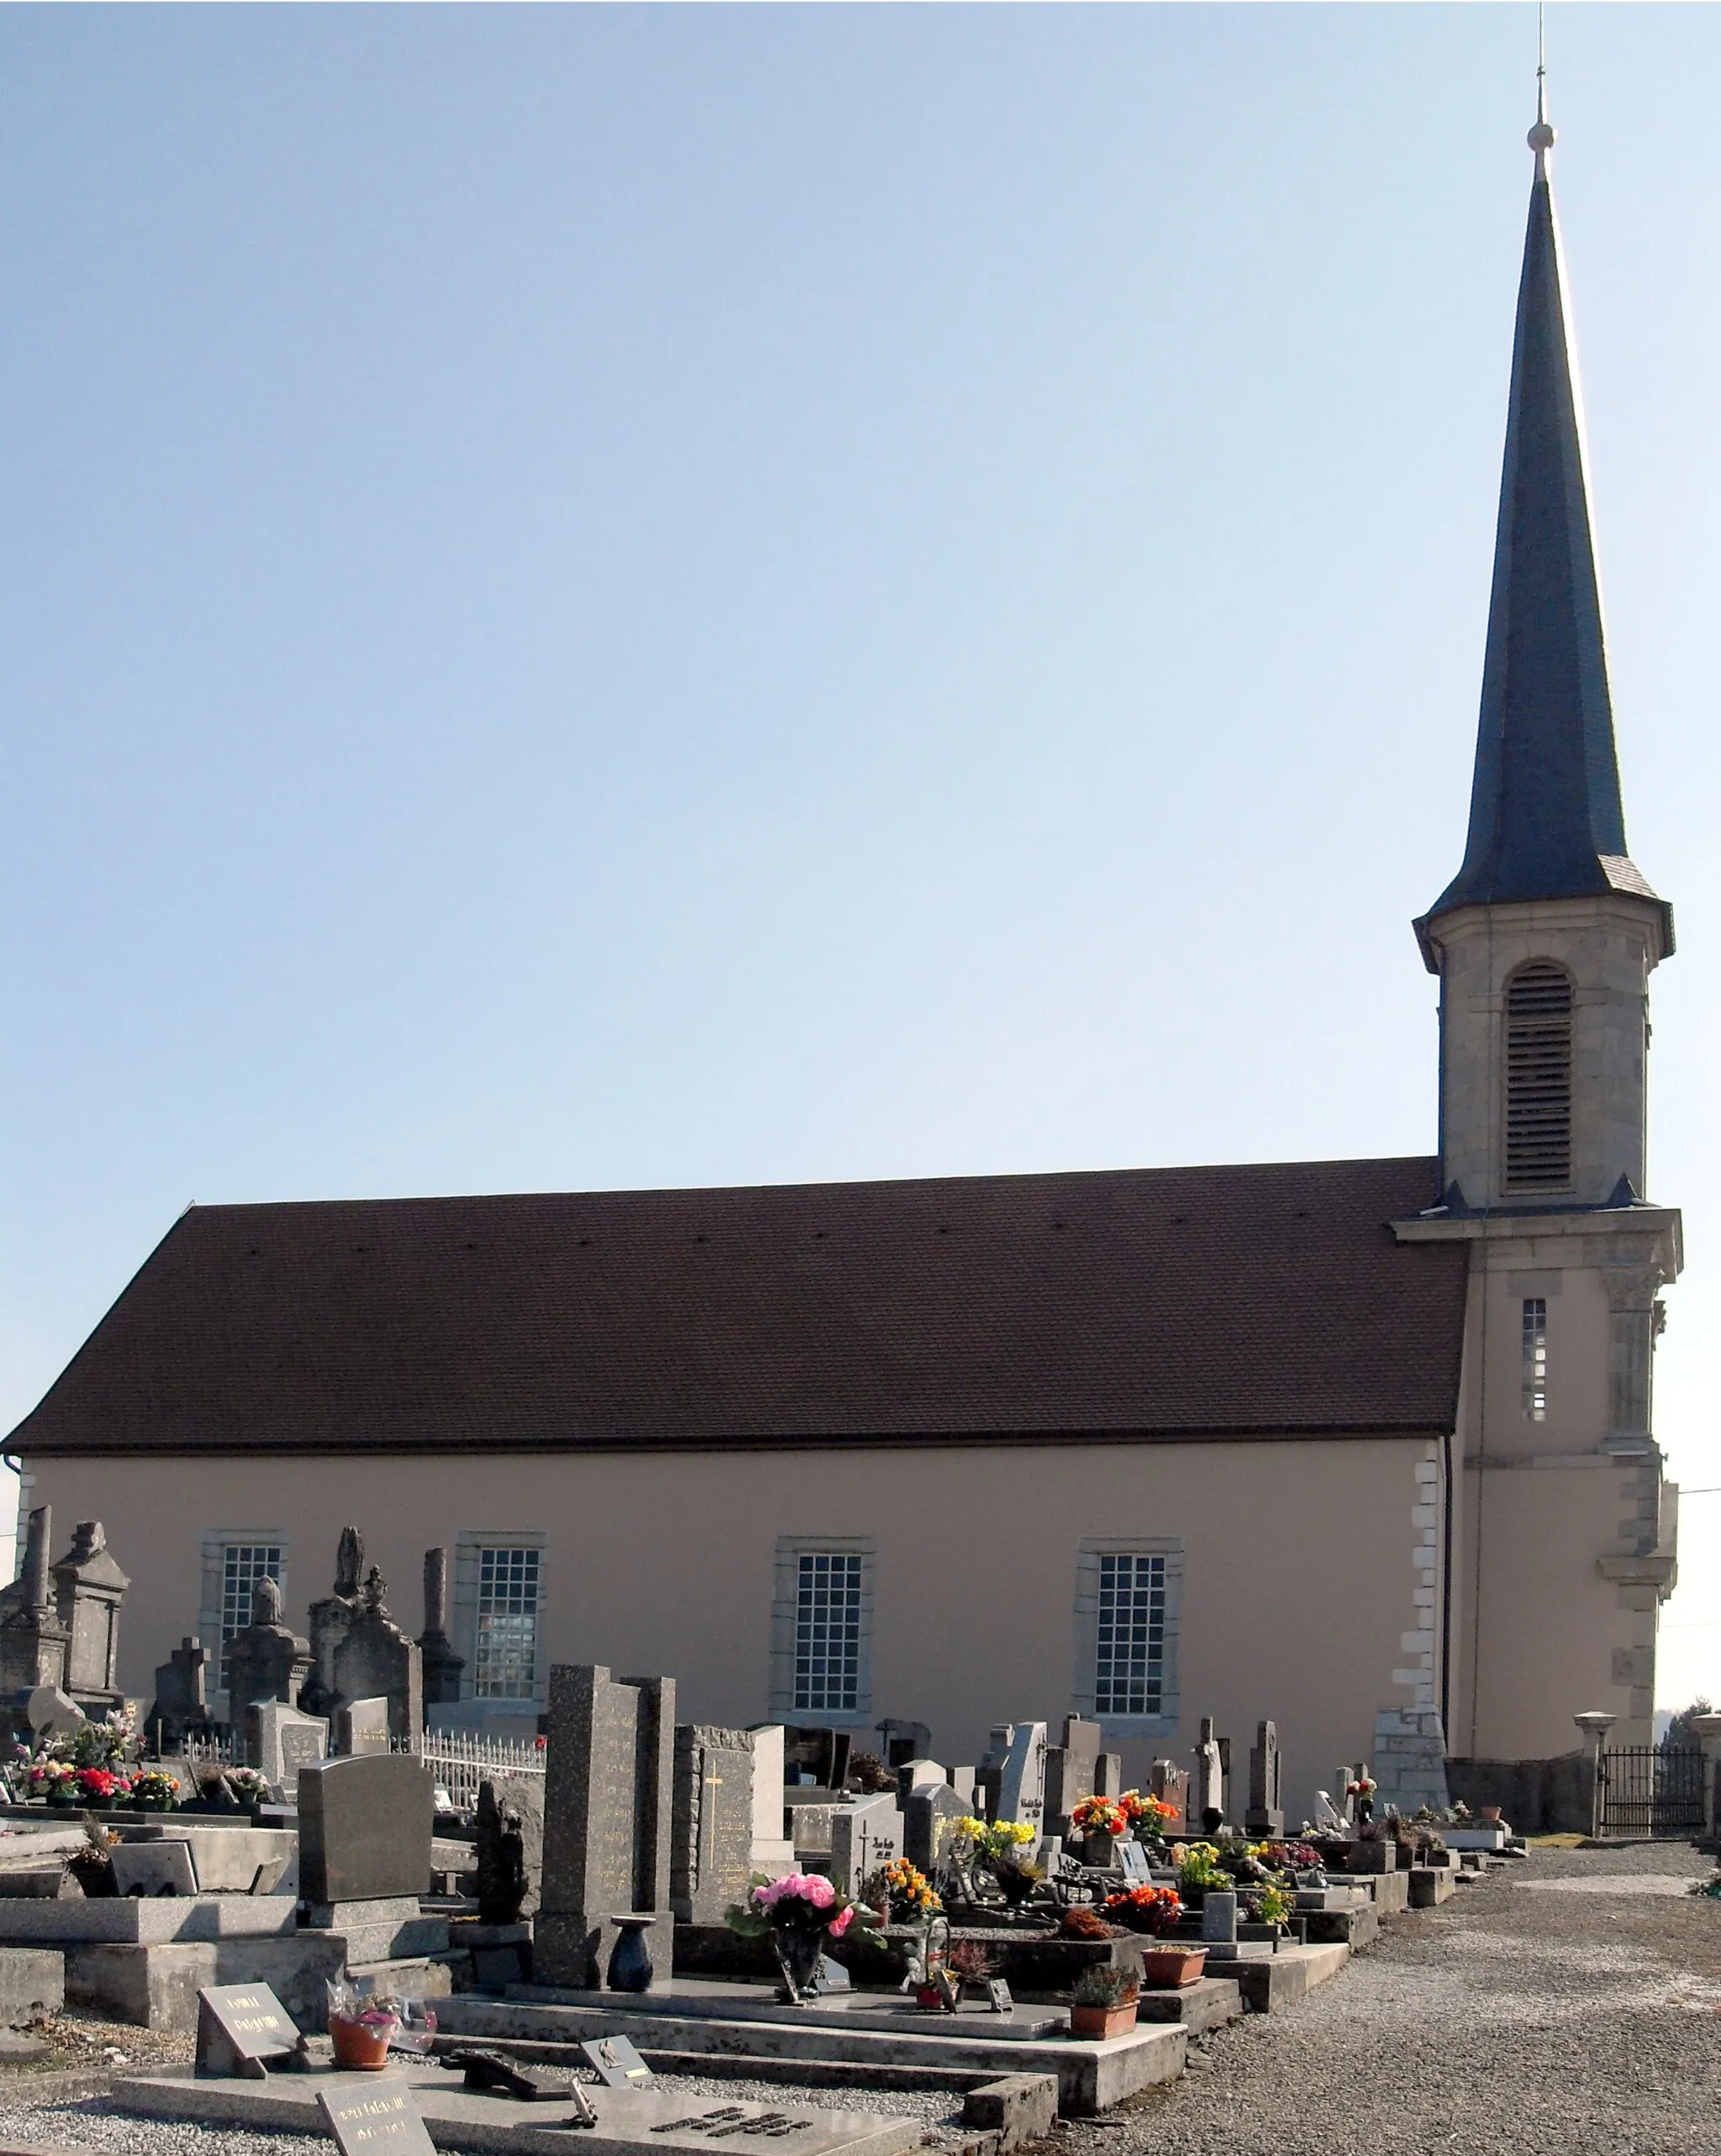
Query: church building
[[1315, 1440]]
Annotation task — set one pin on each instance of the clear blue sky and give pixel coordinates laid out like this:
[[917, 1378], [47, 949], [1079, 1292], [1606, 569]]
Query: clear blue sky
[[655, 596]]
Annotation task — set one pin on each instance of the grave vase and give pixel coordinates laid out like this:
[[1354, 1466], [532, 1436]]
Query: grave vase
[[798, 1952], [630, 1958]]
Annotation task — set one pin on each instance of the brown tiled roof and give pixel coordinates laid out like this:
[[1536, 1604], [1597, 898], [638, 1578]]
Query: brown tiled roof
[[1159, 1301]]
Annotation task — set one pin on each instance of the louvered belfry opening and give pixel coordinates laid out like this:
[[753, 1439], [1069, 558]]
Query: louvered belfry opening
[[1539, 1079]]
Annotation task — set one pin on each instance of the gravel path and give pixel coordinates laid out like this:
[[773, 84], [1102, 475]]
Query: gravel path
[[1569, 2003]]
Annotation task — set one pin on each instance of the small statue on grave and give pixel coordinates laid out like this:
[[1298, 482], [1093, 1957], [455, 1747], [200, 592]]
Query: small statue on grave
[[502, 1879]]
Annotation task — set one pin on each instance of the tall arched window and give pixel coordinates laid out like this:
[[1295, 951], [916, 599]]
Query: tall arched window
[[1538, 1078]]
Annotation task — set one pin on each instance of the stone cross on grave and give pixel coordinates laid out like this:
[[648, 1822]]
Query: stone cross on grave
[[1266, 1816]]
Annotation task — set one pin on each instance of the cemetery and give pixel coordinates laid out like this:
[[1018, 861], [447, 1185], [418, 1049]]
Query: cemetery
[[609, 1923]]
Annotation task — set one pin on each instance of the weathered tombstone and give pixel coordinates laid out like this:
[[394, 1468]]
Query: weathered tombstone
[[510, 1847], [264, 1661], [364, 1828], [1265, 1814], [927, 1818], [1022, 1785], [1206, 1801], [441, 1664], [152, 1868], [378, 1660], [772, 1851], [711, 1847], [378, 2117], [88, 1589], [609, 1805], [242, 2029], [1219, 1919], [863, 1836], [1108, 1774], [279, 1740], [33, 1641], [361, 1726], [1071, 1768], [900, 1741], [182, 1702], [1169, 1783], [331, 1618]]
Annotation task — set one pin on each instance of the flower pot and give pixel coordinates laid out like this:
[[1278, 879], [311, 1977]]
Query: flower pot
[[798, 1954], [1163, 1969], [1102, 2021], [362, 2046], [1490, 1811], [1099, 1852]]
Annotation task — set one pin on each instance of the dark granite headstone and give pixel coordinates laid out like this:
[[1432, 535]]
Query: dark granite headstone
[[377, 2118], [711, 1847], [608, 1803], [364, 1827], [926, 1824], [242, 2029]]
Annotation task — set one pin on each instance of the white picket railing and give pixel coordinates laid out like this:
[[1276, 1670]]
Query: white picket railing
[[461, 1759]]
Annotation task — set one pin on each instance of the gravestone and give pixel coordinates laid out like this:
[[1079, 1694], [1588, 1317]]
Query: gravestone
[[1328, 1817], [242, 2029], [772, 1851], [510, 1847], [1264, 1817], [962, 1781], [899, 1742], [608, 1814], [264, 1661], [181, 1703], [88, 1589], [1169, 1783], [820, 1757], [50, 1712], [711, 1847], [1207, 1789], [148, 1868], [1219, 1918], [379, 2116], [1022, 1785], [279, 1740], [863, 1836], [1137, 1870], [378, 1660], [361, 1726], [989, 1775], [918, 1773], [441, 1664], [927, 1819], [33, 1641], [364, 1828], [331, 1618], [1071, 1772], [1108, 1774]]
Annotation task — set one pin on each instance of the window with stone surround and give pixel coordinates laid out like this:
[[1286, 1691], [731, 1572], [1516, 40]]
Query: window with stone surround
[[1535, 1358], [505, 1636], [1538, 1078], [822, 1630], [1128, 1596], [233, 1560]]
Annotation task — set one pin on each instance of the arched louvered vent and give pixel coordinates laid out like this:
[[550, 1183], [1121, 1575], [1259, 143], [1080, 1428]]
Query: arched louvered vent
[[1539, 1079]]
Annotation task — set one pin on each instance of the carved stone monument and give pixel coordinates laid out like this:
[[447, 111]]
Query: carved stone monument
[[88, 1589], [1265, 1814], [264, 1661], [182, 1702], [1207, 1802], [441, 1665], [378, 1660], [1022, 1783], [33, 1641], [331, 1618], [1071, 1769], [510, 1853], [609, 1805], [286, 1741], [711, 1847]]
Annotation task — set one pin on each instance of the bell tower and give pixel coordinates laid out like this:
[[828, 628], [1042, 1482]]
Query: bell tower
[[1544, 943]]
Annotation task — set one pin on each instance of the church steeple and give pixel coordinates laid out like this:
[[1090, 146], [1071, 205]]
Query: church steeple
[[1546, 818]]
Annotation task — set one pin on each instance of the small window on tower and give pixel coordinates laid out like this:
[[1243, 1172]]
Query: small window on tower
[[1535, 1359]]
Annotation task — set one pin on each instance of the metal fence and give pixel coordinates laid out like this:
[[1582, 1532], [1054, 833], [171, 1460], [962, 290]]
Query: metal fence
[[1647, 1791], [461, 1759]]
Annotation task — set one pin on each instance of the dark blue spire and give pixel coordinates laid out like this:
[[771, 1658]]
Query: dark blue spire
[[1546, 819]]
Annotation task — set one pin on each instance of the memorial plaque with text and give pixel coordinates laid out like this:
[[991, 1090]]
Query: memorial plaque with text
[[377, 2118], [619, 2062], [242, 2029]]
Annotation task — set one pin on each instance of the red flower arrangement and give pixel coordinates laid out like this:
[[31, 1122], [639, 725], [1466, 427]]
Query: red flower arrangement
[[1152, 1909], [99, 1786], [1100, 1815]]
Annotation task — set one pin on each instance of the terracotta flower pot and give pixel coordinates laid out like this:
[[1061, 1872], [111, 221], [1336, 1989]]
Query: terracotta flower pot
[[1102, 2021], [1163, 1969], [1491, 1812], [363, 2045]]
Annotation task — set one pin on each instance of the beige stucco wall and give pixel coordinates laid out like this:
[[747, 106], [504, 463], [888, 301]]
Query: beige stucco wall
[[1300, 1560]]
